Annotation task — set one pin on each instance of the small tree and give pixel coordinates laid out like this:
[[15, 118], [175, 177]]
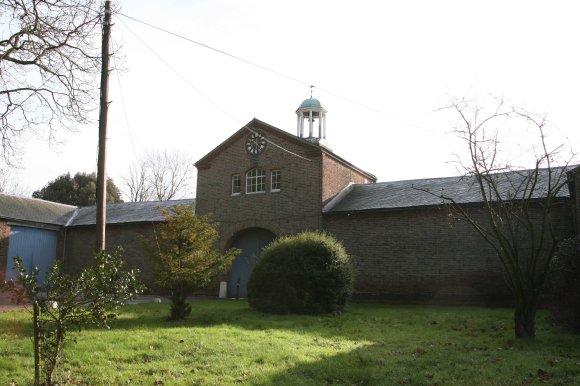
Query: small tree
[[515, 216], [184, 257], [63, 304]]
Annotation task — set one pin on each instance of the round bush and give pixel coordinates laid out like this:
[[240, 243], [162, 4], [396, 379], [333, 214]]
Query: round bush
[[308, 273]]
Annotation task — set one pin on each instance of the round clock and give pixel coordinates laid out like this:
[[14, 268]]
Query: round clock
[[255, 143]]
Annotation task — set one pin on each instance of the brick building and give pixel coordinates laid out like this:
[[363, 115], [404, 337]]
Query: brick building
[[263, 182]]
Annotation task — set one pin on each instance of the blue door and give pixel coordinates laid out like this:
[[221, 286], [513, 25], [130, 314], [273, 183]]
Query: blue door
[[36, 247], [250, 242]]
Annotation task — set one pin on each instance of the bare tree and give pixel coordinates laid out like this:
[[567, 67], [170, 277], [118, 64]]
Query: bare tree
[[136, 183], [9, 183], [160, 176], [517, 206], [49, 57]]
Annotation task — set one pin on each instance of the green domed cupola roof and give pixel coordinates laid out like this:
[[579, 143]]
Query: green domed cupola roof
[[309, 103]]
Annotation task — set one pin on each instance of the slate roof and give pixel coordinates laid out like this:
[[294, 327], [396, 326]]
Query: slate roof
[[127, 212], [34, 210], [423, 192], [47, 212]]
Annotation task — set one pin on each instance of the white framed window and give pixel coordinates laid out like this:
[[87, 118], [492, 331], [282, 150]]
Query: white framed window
[[256, 181], [275, 180], [236, 185]]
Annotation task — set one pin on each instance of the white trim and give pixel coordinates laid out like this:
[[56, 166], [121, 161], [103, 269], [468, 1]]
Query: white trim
[[338, 198], [256, 177], [232, 184], [278, 180]]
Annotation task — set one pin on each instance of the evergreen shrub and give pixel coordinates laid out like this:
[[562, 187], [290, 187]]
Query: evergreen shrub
[[563, 284], [308, 273]]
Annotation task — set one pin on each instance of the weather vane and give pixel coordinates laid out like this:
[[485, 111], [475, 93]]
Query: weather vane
[[311, 87]]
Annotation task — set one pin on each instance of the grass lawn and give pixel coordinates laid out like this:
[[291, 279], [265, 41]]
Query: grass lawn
[[225, 342]]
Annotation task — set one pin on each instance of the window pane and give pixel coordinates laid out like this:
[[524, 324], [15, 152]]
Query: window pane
[[256, 181], [236, 184], [275, 180]]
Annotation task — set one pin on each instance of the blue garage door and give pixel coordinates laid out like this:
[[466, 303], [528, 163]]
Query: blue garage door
[[251, 243], [36, 247]]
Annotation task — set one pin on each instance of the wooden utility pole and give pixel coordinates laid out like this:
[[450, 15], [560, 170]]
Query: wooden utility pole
[[102, 160]]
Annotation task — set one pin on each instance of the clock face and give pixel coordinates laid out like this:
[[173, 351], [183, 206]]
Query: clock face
[[255, 143]]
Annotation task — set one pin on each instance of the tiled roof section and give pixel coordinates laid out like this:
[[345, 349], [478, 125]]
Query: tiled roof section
[[127, 212], [34, 210], [424, 192]]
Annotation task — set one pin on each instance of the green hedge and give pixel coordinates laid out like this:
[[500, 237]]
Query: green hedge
[[564, 284], [308, 273]]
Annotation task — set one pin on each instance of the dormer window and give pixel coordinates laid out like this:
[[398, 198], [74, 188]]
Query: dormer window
[[256, 181], [236, 185]]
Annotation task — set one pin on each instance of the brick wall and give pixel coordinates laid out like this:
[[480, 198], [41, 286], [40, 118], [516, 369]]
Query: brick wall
[[4, 237], [336, 175], [80, 246], [423, 255], [297, 206]]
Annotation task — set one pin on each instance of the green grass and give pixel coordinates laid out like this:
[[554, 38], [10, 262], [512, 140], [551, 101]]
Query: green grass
[[225, 342]]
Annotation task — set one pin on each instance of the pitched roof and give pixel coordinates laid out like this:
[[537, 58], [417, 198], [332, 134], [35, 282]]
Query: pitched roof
[[127, 212], [255, 123], [47, 212], [34, 210], [425, 192]]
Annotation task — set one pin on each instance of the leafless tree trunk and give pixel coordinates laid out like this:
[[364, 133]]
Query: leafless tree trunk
[[49, 57], [517, 205]]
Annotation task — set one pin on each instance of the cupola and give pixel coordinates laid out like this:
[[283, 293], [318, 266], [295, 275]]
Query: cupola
[[311, 112]]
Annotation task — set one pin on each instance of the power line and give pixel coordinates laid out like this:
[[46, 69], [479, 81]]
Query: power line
[[215, 49], [125, 112], [278, 73], [215, 104]]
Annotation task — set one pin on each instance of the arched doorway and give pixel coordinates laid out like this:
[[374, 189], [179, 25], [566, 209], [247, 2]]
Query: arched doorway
[[250, 242]]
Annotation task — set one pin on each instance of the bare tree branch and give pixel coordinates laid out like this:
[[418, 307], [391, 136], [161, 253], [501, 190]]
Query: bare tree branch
[[160, 176], [515, 214], [136, 183], [49, 62]]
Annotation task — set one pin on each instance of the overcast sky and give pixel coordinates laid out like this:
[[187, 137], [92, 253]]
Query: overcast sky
[[382, 69]]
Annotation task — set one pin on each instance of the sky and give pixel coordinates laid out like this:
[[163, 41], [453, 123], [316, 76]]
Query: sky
[[382, 69]]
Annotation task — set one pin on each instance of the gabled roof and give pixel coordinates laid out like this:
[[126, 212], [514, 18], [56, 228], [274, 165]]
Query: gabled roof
[[127, 212], [423, 192], [52, 213], [259, 125], [310, 148], [34, 210]]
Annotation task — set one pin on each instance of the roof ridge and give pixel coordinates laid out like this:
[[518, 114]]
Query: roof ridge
[[70, 220], [468, 175], [38, 199]]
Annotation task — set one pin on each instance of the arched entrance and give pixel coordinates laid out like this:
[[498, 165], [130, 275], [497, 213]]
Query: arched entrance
[[250, 242]]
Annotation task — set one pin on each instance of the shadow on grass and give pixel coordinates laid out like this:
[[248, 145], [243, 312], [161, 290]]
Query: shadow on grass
[[416, 345]]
